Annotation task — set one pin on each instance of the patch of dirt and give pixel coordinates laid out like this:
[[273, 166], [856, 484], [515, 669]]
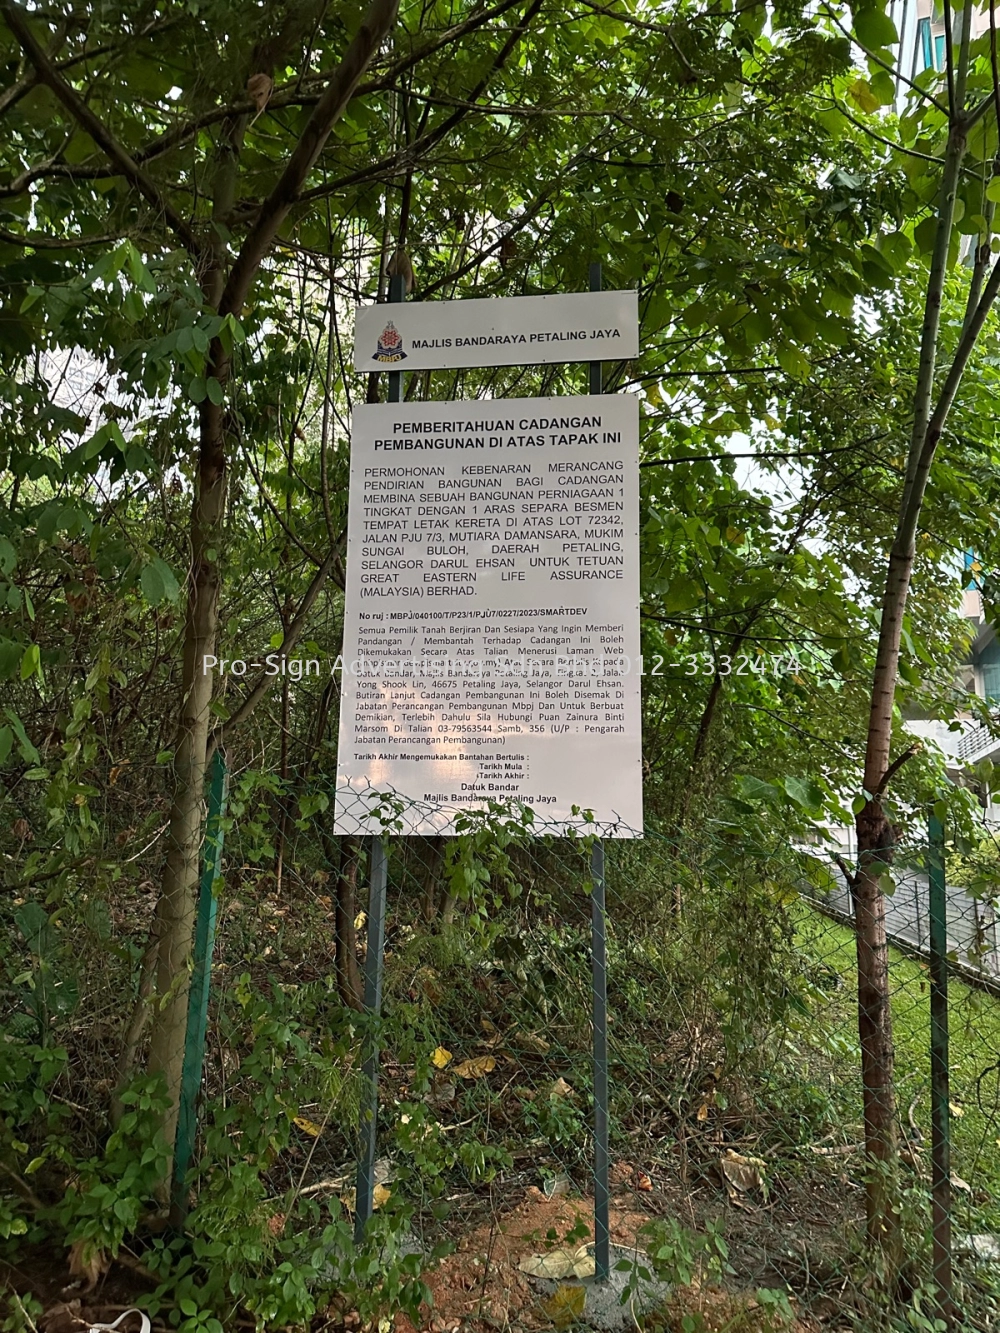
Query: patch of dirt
[[480, 1285], [479, 1288], [70, 1304]]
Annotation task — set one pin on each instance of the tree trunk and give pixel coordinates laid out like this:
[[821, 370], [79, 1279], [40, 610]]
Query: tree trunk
[[225, 293], [175, 909]]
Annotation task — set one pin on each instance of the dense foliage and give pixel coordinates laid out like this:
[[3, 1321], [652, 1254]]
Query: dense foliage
[[193, 198]]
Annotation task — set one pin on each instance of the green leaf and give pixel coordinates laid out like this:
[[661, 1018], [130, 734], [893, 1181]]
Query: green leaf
[[8, 557], [858, 804], [28, 752], [6, 743], [924, 234], [153, 588], [215, 392], [808, 794], [862, 96], [993, 190], [875, 30], [197, 389], [31, 662]]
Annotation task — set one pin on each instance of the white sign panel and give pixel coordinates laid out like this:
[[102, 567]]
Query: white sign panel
[[491, 639], [519, 330]]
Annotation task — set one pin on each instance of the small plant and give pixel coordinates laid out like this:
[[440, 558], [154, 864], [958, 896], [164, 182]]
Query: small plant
[[676, 1255]]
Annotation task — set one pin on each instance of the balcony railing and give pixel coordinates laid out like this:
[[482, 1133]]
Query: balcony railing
[[977, 743]]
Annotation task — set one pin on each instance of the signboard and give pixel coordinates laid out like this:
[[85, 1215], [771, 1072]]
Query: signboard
[[519, 330], [491, 638]]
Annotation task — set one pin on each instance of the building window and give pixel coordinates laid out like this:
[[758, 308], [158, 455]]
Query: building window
[[924, 44], [931, 46], [991, 682]]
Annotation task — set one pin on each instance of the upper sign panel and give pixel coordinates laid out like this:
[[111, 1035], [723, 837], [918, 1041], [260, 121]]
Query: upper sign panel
[[519, 330]]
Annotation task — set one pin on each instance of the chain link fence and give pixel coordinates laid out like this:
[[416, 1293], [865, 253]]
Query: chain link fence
[[734, 1092]]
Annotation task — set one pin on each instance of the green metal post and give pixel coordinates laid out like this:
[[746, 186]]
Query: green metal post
[[940, 1126], [364, 1194], [374, 958], [599, 978], [197, 1019], [599, 989]]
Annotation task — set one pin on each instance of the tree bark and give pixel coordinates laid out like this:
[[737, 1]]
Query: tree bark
[[175, 910], [874, 832]]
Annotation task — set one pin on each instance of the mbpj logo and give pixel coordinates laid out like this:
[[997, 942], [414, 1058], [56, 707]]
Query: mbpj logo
[[390, 345]]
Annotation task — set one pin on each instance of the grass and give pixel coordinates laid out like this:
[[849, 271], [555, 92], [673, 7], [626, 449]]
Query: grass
[[974, 1057]]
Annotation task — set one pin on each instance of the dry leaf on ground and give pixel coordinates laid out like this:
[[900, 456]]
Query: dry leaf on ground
[[565, 1305], [560, 1263], [482, 1064], [308, 1126], [743, 1174]]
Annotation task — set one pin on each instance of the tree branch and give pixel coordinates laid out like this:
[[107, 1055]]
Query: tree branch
[[292, 635], [849, 875], [375, 25], [895, 766], [96, 128]]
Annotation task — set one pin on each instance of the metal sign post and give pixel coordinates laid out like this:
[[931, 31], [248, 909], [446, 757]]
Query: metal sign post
[[374, 960], [940, 1113], [599, 980]]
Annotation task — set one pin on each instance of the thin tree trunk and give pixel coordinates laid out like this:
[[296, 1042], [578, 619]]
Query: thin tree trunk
[[175, 908], [349, 983], [874, 832], [227, 294]]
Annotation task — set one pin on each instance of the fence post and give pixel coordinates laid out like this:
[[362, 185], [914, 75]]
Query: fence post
[[364, 1194], [374, 956], [599, 984], [198, 988], [599, 974], [940, 1126]]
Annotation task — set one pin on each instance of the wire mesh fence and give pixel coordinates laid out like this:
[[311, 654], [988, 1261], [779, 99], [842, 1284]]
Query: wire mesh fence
[[734, 1086], [733, 1049]]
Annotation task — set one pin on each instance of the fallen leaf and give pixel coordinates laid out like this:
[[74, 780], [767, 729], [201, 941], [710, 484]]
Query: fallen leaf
[[565, 1305], [743, 1174], [88, 1261], [560, 1263], [531, 1041], [488, 1027], [441, 1058], [360, 920], [557, 1263], [308, 1126], [560, 1088], [441, 1094], [643, 1182], [380, 1195], [482, 1064]]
